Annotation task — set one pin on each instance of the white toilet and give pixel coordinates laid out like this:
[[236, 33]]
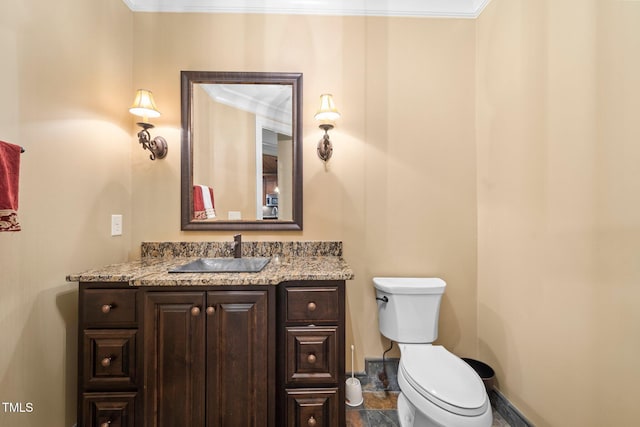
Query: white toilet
[[437, 387]]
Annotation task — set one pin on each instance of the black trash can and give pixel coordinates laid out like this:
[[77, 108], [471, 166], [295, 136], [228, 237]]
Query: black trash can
[[485, 372]]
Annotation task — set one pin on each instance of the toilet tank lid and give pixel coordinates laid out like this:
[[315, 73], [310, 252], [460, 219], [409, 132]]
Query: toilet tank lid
[[410, 285]]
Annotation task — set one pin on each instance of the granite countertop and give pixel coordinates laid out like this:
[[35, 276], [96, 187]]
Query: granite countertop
[[289, 261]]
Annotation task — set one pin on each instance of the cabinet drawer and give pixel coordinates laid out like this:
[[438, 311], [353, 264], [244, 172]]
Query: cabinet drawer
[[108, 409], [311, 355], [111, 358], [312, 407], [109, 307], [312, 304]]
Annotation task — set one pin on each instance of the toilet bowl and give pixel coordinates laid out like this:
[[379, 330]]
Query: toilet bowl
[[437, 387], [440, 389]]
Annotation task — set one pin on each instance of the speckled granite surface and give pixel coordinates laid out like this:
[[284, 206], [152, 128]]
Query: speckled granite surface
[[289, 261], [249, 249]]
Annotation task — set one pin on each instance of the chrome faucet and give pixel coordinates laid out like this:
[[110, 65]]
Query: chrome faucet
[[237, 246]]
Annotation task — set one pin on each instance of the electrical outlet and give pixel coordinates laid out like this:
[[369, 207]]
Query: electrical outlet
[[235, 215], [116, 225]]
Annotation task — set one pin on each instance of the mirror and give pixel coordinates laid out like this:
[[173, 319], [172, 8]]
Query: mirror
[[241, 151]]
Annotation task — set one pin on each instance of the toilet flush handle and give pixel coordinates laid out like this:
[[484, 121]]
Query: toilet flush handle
[[383, 299]]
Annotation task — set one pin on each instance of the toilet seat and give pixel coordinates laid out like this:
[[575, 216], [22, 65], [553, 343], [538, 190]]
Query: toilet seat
[[444, 379]]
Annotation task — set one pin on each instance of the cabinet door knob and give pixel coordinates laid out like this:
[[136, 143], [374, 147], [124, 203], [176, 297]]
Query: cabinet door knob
[[106, 308], [311, 358], [210, 310], [106, 361], [195, 311], [312, 306], [311, 421]]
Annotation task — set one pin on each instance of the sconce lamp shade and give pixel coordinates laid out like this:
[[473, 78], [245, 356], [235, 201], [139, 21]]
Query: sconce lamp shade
[[326, 115], [143, 105], [328, 111]]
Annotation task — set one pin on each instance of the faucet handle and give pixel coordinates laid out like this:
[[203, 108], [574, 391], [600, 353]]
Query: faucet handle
[[237, 246]]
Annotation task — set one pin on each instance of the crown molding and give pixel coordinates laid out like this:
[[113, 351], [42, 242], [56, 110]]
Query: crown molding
[[408, 8]]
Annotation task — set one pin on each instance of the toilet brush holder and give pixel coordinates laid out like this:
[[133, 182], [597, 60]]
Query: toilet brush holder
[[354, 392]]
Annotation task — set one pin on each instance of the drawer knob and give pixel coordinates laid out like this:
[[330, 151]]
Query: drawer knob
[[106, 362], [195, 311], [106, 308], [210, 310], [311, 358], [312, 306], [311, 421]]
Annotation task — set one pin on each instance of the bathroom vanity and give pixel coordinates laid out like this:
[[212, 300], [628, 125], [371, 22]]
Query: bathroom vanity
[[214, 349]]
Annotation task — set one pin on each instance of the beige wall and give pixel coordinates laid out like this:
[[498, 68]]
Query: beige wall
[[203, 153], [558, 207], [400, 189], [524, 200], [229, 171], [65, 85]]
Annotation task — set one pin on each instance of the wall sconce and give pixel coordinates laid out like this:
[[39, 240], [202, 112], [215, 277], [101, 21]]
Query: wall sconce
[[144, 107], [327, 115]]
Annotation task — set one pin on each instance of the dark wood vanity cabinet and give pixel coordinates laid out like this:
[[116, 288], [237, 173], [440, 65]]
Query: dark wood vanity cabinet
[[206, 357], [108, 360], [311, 336], [217, 356]]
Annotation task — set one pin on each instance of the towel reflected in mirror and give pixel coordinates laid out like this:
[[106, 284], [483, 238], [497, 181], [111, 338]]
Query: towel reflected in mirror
[[203, 202]]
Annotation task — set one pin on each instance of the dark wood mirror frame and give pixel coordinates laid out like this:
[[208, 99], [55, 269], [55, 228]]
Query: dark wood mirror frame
[[188, 79]]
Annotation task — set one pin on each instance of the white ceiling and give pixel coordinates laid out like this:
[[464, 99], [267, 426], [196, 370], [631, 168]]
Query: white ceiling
[[409, 8]]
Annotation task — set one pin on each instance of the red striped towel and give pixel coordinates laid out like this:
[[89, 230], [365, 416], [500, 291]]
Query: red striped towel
[[9, 177], [203, 206]]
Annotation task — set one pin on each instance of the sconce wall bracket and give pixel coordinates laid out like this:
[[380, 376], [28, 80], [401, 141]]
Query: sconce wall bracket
[[325, 148], [158, 145]]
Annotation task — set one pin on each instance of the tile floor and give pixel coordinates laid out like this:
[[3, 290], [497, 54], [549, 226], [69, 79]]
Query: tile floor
[[379, 410]]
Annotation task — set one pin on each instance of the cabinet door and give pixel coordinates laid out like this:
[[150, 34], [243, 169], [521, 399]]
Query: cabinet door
[[108, 409], [237, 359], [311, 356], [111, 358], [174, 359], [312, 407]]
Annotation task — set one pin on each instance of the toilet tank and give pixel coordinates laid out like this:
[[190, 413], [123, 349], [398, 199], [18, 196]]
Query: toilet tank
[[410, 313]]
